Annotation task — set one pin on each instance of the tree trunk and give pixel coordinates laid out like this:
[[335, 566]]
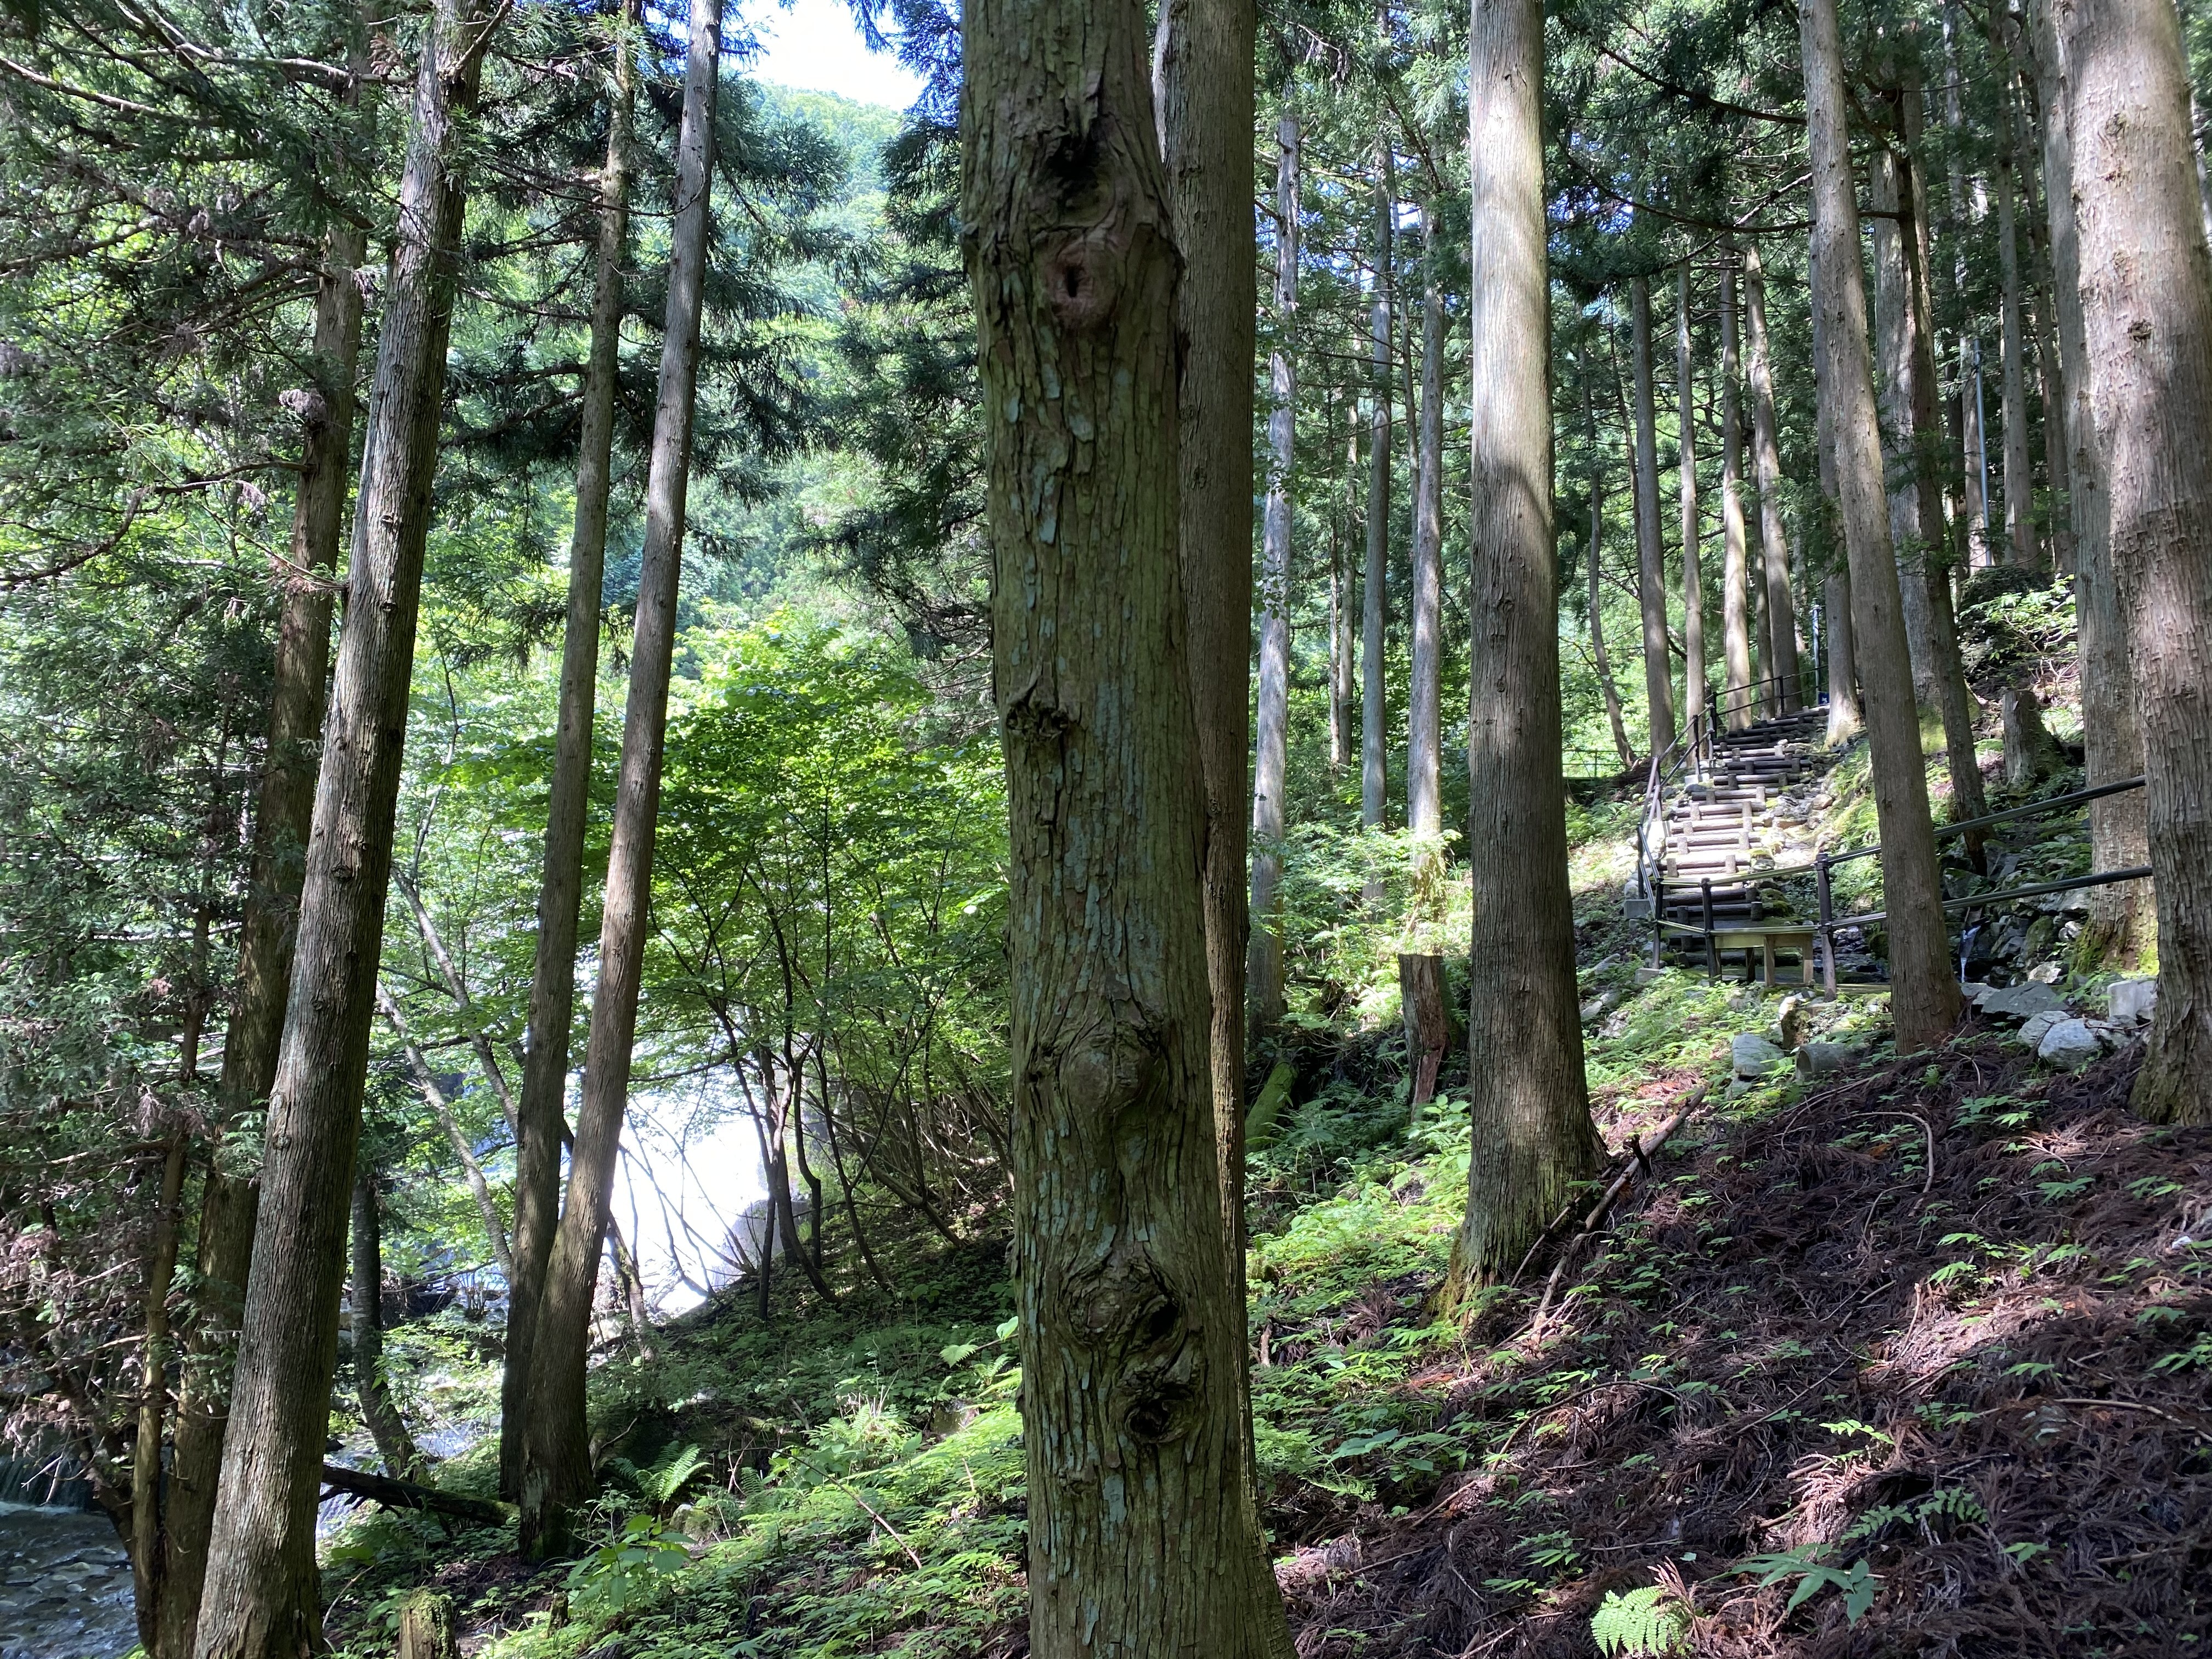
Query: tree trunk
[[434, 1097], [282, 815], [403, 1459], [1527, 1089], [1340, 598], [1143, 1533], [1600, 657], [1204, 101], [1373, 695], [1650, 555], [1766, 456], [1735, 579], [1424, 718], [1924, 997], [263, 1587], [1685, 475], [2146, 299], [2030, 756], [426, 1626], [2019, 485], [2112, 728], [557, 1454], [1973, 453], [540, 1112], [1421, 1004], [1270, 775], [148, 1563]]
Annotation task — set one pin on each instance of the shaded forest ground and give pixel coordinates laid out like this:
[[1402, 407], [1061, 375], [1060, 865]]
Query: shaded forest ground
[[1917, 1360]]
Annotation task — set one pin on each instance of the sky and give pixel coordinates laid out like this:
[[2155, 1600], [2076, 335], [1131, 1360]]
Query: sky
[[813, 45]]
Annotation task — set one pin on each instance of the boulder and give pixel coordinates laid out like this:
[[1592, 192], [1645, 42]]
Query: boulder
[[1648, 976], [1974, 991], [2069, 1044], [2020, 1001], [1753, 1056], [1826, 1059], [2047, 973], [2132, 1000], [2038, 1026]]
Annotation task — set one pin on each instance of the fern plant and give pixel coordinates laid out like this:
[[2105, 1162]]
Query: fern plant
[[1652, 1620]]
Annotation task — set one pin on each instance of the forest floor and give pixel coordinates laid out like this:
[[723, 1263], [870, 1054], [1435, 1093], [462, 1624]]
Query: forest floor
[[1913, 1359]]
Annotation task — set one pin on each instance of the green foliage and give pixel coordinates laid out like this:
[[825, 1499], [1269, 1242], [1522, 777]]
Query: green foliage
[[1649, 1620], [1807, 1565]]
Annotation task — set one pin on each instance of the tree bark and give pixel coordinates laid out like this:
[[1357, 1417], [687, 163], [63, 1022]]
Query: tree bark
[[1339, 599], [2145, 279], [1924, 997], [1973, 454], [282, 816], [540, 1112], [1651, 554], [1143, 1535], [1528, 1097], [403, 1459], [1424, 717], [2111, 729], [1600, 657], [261, 1595], [1685, 474], [556, 1460], [1766, 458], [1373, 693], [148, 1562], [1204, 102], [2019, 486], [1270, 774], [1736, 581]]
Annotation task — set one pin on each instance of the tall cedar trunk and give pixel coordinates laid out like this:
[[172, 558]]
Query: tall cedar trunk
[[556, 1457], [1924, 997], [148, 1563], [262, 1591], [1600, 659], [2019, 485], [1892, 312], [1686, 480], [560, 894], [1373, 697], [2042, 320], [1423, 714], [1340, 678], [1143, 1535], [1845, 721], [1766, 460], [1269, 775], [2112, 727], [1651, 554], [1924, 449], [2146, 281], [1527, 1091], [282, 816], [1735, 579], [403, 1459], [1974, 456], [1204, 99]]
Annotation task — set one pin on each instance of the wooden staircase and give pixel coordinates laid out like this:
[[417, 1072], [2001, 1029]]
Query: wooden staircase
[[1745, 807]]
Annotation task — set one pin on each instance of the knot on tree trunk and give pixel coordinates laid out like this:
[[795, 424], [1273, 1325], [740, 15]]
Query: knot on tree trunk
[[1123, 1312]]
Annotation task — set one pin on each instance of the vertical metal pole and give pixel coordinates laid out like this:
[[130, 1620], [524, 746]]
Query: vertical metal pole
[[1712, 951]]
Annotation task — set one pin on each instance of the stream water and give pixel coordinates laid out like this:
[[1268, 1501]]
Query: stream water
[[65, 1585]]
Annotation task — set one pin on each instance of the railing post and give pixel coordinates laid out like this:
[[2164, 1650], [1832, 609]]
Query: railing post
[[1820, 885], [1658, 914], [1712, 951]]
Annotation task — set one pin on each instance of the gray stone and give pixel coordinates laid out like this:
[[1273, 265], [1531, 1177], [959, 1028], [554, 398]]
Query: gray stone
[[1603, 1004], [1974, 991], [2069, 1044], [1826, 1059], [1648, 976], [2047, 973], [1753, 1056], [2019, 1001], [2132, 1000], [2039, 1027]]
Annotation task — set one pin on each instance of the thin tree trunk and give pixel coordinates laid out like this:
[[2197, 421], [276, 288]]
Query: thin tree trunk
[[1340, 576], [1651, 554], [262, 1590], [1736, 577], [2019, 486], [1143, 1533], [282, 815], [1424, 720], [1923, 999], [2111, 727], [556, 1470], [148, 1562], [1892, 310], [2146, 280], [1600, 657], [1269, 777], [1373, 697], [457, 989], [426, 1085], [1766, 458], [1685, 475], [1974, 466], [1203, 95], [1845, 717], [403, 1459], [1528, 1092], [561, 889]]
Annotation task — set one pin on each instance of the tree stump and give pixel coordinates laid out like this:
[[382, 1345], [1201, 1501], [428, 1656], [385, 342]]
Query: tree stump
[[426, 1626], [1428, 1032]]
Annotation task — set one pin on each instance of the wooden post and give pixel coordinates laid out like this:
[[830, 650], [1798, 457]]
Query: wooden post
[[1712, 955], [1827, 916]]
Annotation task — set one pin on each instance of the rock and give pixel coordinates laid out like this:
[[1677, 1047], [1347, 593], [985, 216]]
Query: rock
[[2019, 1001], [1648, 976], [1825, 1059], [2046, 972], [1974, 991], [2132, 1000], [2069, 1044], [2039, 1027], [1753, 1056], [1603, 1004], [1789, 1021]]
